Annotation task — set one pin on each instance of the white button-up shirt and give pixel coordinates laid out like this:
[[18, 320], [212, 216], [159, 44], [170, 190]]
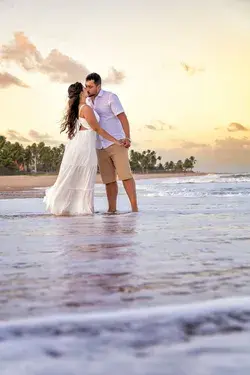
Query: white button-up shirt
[[108, 106]]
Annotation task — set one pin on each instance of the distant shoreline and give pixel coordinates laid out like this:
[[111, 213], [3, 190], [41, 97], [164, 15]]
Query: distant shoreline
[[24, 182]]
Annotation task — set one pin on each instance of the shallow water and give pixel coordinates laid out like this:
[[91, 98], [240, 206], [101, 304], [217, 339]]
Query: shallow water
[[189, 243]]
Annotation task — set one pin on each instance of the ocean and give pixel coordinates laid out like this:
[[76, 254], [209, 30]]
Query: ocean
[[164, 291]]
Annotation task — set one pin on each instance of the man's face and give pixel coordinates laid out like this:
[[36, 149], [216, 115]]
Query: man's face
[[92, 88]]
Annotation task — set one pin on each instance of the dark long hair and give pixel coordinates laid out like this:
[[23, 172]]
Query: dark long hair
[[71, 116]]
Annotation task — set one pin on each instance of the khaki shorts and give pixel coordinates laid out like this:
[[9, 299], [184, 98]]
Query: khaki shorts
[[113, 161]]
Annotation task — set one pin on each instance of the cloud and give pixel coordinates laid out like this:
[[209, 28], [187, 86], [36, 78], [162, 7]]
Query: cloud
[[62, 68], [42, 137], [151, 127], [225, 155], [159, 126], [236, 127], [57, 66], [21, 51], [233, 144], [164, 125], [35, 136], [233, 127], [193, 145], [114, 77], [13, 135], [231, 153], [7, 80]]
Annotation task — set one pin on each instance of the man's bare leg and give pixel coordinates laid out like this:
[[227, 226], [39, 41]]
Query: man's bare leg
[[129, 186], [112, 192]]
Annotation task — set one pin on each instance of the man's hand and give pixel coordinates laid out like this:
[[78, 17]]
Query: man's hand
[[126, 142]]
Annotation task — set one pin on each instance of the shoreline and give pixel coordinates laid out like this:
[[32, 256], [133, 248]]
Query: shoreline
[[24, 182], [25, 186]]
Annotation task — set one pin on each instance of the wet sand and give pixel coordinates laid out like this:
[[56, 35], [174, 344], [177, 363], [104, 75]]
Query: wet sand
[[22, 186], [15, 183]]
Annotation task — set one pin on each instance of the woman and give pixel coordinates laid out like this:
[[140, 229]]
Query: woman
[[73, 191]]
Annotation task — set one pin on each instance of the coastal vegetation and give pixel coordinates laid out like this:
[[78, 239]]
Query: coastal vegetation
[[42, 158]]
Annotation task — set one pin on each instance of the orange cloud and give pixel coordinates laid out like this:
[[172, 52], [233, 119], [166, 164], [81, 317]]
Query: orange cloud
[[236, 127], [22, 52], [62, 68], [58, 66], [42, 137], [193, 145], [225, 155], [35, 136], [114, 77], [13, 135], [7, 80]]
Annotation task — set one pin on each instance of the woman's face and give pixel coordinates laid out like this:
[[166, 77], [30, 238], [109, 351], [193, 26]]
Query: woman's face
[[84, 94]]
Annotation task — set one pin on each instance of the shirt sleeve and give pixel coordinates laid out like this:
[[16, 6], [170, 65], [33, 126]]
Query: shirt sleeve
[[115, 104]]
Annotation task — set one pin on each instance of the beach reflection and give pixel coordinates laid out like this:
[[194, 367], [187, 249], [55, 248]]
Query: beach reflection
[[173, 251], [96, 258]]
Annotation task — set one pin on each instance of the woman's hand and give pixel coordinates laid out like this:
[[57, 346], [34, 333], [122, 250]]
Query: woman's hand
[[119, 142]]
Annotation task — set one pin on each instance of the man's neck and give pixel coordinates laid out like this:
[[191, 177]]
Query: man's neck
[[92, 98]]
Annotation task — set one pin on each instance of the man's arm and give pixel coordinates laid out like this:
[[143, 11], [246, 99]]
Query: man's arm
[[125, 124], [118, 111]]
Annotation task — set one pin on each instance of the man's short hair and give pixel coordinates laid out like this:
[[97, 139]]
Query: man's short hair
[[94, 77]]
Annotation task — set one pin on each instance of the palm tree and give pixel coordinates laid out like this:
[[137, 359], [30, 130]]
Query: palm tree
[[39, 157], [6, 157], [18, 155], [34, 151], [166, 166], [193, 162], [179, 166], [28, 158], [171, 166], [135, 160], [2, 141], [160, 167], [187, 164]]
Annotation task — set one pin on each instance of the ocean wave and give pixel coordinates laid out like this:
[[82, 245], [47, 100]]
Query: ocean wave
[[194, 194], [236, 175], [161, 190], [167, 323], [148, 341], [209, 178]]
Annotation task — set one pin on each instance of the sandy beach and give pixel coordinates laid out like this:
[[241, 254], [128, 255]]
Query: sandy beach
[[22, 183]]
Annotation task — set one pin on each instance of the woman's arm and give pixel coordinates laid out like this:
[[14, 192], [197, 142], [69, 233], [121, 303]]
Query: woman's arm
[[88, 113]]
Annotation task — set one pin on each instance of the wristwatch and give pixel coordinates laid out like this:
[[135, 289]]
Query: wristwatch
[[128, 139]]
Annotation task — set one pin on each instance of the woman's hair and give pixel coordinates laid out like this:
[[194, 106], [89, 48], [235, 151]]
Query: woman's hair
[[69, 120]]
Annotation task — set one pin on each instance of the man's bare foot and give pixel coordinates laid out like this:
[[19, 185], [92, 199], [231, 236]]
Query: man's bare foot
[[111, 212], [134, 207]]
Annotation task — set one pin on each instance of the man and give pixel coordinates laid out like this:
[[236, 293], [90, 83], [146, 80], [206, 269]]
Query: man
[[112, 159]]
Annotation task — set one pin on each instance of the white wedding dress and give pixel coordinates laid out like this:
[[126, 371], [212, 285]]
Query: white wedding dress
[[73, 191]]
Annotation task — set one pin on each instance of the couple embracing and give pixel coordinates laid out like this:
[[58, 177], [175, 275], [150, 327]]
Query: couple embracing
[[99, 133]]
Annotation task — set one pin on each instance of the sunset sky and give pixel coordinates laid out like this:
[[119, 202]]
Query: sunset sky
[[181, 69]]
